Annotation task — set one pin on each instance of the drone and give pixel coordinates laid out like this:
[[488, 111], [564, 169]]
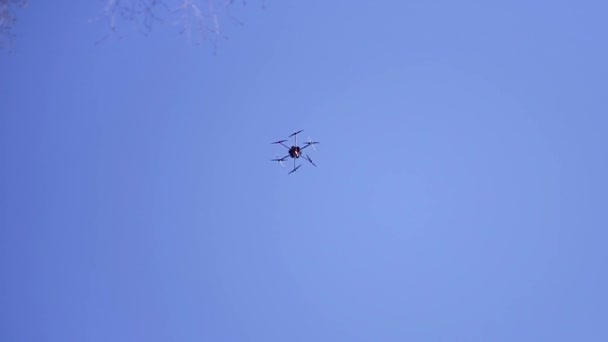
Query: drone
[[295, 151]]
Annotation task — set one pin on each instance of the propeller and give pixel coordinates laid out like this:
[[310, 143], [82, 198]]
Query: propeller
[[295, 133], [311, 143], [310, 160], [280, 160], [295, 169]]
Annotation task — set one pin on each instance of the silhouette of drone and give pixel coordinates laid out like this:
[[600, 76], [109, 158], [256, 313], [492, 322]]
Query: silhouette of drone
[[295, 151]]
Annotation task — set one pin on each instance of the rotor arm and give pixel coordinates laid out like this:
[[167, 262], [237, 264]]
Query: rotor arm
[[309, 144], [295, 168]]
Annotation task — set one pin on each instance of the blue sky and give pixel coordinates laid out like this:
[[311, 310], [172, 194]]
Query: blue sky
[[460, 193]]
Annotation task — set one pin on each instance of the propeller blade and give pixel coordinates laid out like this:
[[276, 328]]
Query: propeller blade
[[280, 160], [310, 160], [295, 133], [278, 142], [294, 170], [312, 143]]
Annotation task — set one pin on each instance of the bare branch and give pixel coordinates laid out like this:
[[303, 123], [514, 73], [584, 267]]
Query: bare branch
[[196, 20], [7, 21]]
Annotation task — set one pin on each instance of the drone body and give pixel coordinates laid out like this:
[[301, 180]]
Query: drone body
[[295, 151]]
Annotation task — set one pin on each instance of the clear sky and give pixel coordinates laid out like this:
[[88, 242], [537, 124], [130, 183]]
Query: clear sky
[[460, 193]]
